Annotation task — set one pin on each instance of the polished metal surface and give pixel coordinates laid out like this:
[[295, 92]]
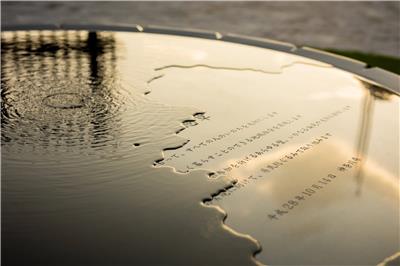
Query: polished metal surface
[[306, 153], [317, 171]]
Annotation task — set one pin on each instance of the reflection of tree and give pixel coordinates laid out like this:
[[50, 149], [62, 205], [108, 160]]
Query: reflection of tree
[[36, 65], [372, 93]]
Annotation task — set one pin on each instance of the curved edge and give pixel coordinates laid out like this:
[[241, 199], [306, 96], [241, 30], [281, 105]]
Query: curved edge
[[384, 78], [206, 200], [391, 260], [207, 203]]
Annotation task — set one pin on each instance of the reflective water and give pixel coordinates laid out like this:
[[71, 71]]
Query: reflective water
[[78, 144], [85, 117]]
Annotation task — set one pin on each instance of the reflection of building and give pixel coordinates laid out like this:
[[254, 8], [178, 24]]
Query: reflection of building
[[66, 67]]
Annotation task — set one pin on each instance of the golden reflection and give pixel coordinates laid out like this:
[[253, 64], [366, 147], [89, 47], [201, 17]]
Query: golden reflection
[[296, 133], [78, 142], [71, 70], [306, 205], [327, 217], [364, 132]]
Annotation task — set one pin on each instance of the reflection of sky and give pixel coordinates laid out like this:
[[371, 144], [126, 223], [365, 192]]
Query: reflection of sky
[[334, 214], [333, 88], [230, 98], [338, 213]]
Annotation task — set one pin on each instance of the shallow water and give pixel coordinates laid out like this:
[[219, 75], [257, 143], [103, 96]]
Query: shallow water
[[78, 146], [93, 171]]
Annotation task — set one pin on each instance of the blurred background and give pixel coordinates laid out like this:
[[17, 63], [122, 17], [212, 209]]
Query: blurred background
[[368, 31]]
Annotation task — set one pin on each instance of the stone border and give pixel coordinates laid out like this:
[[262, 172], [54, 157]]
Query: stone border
[[384, 78]]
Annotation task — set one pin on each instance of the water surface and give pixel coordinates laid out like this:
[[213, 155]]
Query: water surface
[[93, 171], [79, 139]]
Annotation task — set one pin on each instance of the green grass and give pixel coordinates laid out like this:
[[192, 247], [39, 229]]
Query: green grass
[[374, 60]]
